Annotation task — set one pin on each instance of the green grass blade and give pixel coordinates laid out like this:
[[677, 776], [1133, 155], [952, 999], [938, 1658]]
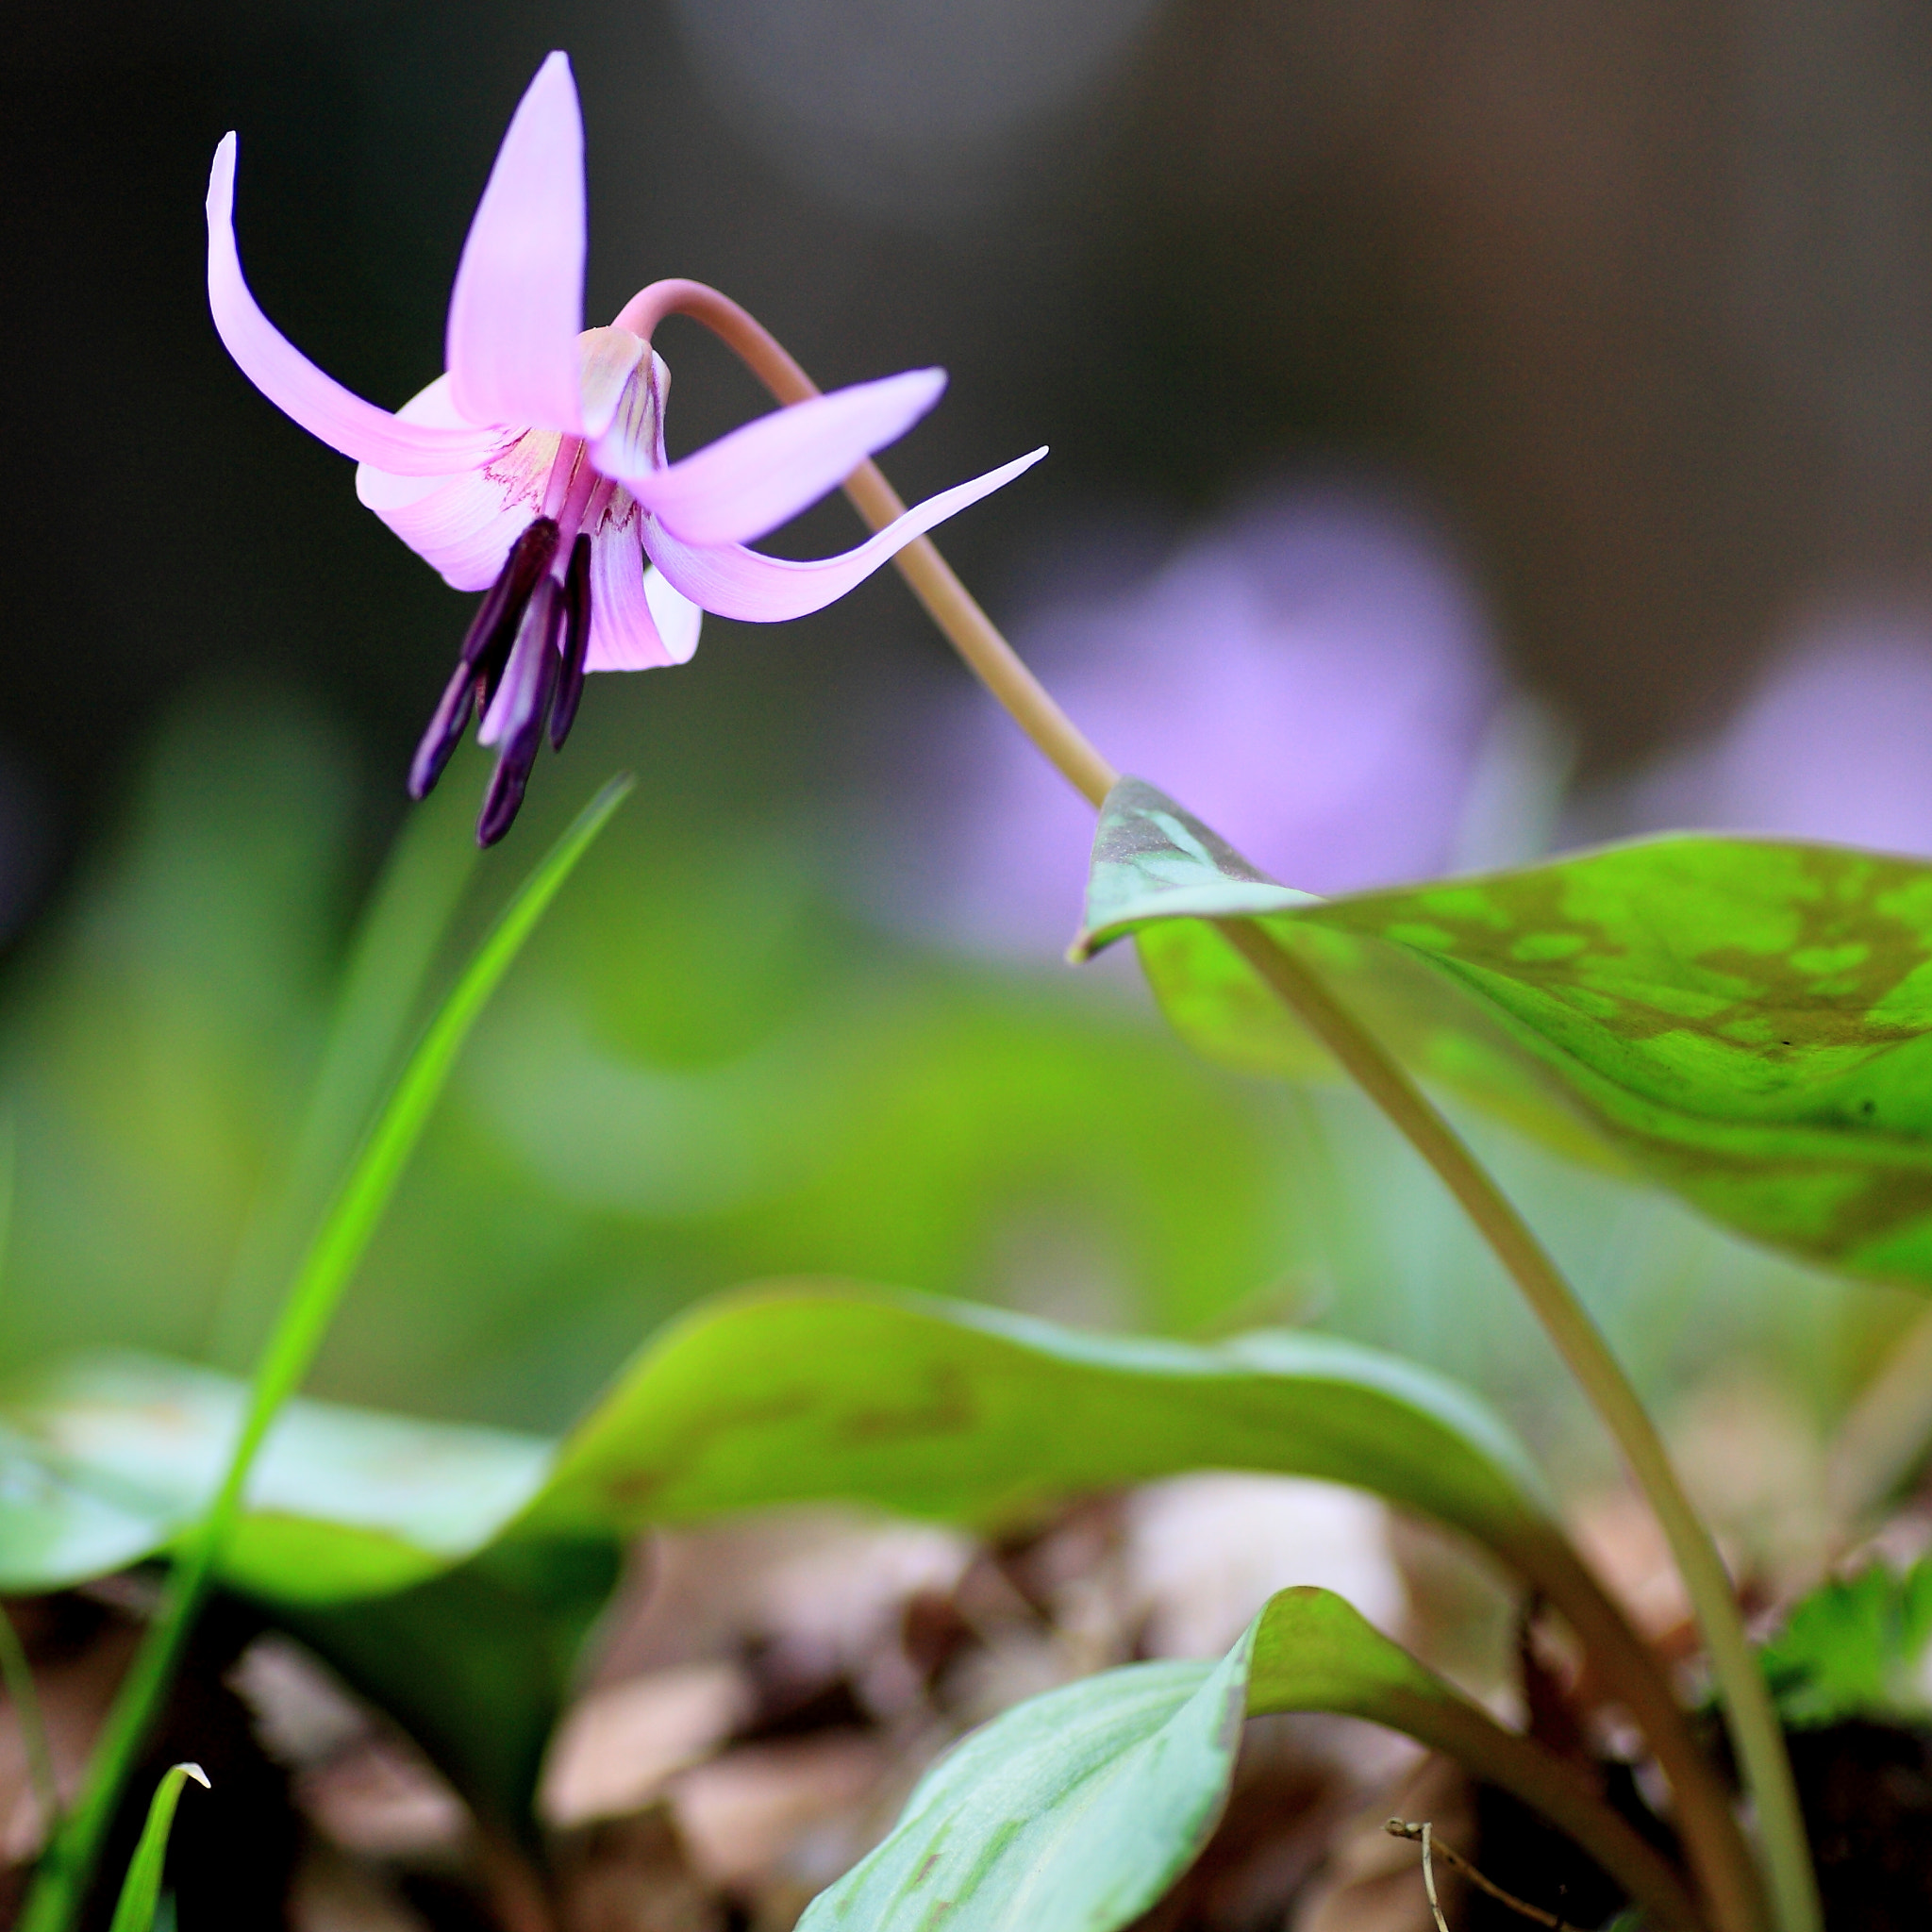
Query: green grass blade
[[398, 937], [359, 1204], [141, 1890], [333, 1255]]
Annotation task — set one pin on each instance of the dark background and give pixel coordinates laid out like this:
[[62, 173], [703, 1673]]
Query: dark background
[[1638, 294]]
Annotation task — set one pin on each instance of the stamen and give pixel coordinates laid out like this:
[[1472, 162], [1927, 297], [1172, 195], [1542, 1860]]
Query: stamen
[[503, 603], [486, 646], [448, 724], [530, 682], [576, 642]]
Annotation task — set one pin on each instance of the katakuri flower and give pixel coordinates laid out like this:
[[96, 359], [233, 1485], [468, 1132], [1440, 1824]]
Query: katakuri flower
[[533, 469]]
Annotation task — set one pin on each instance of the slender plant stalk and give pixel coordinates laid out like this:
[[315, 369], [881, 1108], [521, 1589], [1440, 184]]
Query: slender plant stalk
[[1554, 1787], [1629, 1667], [1756, 1734], [949, 603], [398, 937], [18, 1674], [141, 1890], [60, 1885]]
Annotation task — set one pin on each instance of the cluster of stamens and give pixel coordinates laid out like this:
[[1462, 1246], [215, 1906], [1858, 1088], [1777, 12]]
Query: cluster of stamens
[[524, 652]]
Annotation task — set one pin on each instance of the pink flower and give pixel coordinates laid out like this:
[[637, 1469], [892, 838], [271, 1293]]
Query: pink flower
[[534, 470]]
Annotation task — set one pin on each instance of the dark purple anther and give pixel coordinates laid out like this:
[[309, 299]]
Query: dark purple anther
[[486, 648], [576, 642], [503, 603], [530, 682], [448, 724], [492, 632]]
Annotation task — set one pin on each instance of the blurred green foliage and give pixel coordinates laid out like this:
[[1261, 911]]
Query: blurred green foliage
[[1855, 1647], [708, 1069]]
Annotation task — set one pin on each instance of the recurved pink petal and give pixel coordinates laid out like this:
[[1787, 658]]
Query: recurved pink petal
[[518, 296], [462, 526], [295, 386], [735, 582], [749, 482]]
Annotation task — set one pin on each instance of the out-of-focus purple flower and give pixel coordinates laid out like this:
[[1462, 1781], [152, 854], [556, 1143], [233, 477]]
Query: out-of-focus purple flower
[[1312, 676], [535, 468], [1830, 745]]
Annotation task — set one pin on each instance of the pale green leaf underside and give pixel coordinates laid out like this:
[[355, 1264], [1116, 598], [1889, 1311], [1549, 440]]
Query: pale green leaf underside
[[934, 1409], [1748, 1020], [1073, 1812], [1076, 1810]]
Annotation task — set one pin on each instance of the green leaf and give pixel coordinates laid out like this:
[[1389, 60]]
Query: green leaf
[[781, 1395], [342, 1503], [1076, 1810], [451, 1572], [60, 1525], [370, 1536], [141, 1890], [1855, 1647], [974, 1415], [1747, 1021]]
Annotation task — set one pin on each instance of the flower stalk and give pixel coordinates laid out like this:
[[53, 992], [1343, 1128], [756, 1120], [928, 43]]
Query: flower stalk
[[947, 601], [66, 1872], [1724, 1869]]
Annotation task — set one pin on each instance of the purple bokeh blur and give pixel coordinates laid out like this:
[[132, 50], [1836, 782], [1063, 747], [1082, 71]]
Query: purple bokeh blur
[[1311, 673], [1832, 742]]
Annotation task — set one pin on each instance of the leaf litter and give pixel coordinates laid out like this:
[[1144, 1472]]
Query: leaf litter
[[766, 1690]]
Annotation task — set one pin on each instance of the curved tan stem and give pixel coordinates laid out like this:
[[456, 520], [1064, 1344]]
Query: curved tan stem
[[949, 603], [1630, 1667], [1547, 1784], [1754, 1727], [1725, 1872]]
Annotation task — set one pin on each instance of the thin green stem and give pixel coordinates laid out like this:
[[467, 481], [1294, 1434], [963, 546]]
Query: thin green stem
[[1756, 1734], [18, 1675], [399, 935], [60, 1885]]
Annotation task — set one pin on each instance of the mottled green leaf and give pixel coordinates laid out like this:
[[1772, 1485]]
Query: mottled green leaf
[[452, 1572], [938, 1409], [1748, 1020], [1076, 1810], [974, 1415], [1855, 1647]]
